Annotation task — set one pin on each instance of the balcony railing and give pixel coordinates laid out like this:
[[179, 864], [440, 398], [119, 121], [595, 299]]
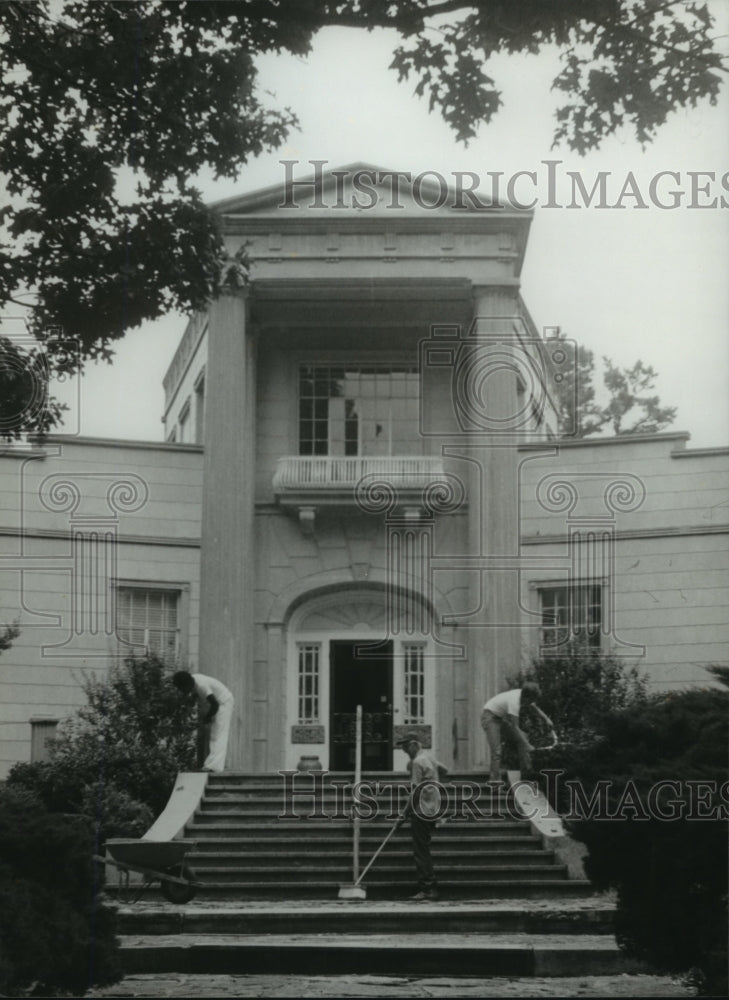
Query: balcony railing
[[327, 473], [412, 483]]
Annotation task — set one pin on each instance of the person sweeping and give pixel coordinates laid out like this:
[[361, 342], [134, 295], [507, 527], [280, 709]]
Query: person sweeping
[[422, 811], [504, 710]]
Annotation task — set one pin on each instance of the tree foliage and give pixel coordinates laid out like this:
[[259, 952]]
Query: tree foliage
[[581, 687], [629, 400], [56, 936], [657, 832], [662, 841], [631, 408], [109, 111], [116, 760], [8, 635]]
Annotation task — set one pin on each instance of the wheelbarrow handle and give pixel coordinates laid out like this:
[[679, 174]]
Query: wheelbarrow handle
[[149, 872]]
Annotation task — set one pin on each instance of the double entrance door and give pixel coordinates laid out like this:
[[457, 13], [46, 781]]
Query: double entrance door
[[360, 673]]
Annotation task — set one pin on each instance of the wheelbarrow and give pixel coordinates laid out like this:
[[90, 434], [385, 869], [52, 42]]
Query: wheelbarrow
[[160, 861]]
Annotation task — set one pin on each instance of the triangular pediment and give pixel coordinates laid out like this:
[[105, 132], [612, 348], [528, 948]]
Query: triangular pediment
[[360, 188]]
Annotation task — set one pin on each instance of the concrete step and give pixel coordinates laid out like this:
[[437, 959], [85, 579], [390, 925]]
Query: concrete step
[[387, 874], [202, 860], [262, 777], [565, 916], [465, 889], [338, 805], [343, 844], [249, 826], [435, 954]]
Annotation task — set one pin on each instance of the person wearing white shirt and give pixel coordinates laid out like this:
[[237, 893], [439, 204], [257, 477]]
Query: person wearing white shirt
[[505, 710], [215, 705]]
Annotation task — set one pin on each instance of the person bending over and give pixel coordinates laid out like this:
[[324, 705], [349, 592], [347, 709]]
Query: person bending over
[[215, 706], [504, 710]]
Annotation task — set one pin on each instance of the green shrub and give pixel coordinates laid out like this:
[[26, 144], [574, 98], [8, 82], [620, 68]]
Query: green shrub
[[665, 852], [55, 934], [581, 686], [115, 813], [117, 759], [580, 689]]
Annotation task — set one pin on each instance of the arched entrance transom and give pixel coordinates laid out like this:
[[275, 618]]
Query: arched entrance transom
[[344, 649]]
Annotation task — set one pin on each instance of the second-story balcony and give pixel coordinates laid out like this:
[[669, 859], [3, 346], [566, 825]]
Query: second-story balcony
[[368, 482]]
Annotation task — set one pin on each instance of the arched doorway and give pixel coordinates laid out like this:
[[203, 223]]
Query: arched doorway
[[341, 654]]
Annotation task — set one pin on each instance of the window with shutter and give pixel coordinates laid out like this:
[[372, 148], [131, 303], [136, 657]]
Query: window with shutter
[[571, 613], [148, 619]]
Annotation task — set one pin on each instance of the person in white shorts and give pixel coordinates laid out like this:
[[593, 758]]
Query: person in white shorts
[[504, 710], [215, 704]]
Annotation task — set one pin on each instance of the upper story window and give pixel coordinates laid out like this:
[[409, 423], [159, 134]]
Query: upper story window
[[183, 422], [200, 408], [571, 613], [359, 410]]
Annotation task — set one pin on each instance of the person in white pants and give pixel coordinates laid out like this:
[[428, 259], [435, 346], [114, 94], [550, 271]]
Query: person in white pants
[[504, 710], [215, 704]]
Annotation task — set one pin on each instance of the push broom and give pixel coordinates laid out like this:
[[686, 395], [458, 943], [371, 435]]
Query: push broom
[[356, 890]]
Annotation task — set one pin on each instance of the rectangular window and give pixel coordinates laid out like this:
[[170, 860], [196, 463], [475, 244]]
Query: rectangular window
[[184, 423], [359, 410], [41, 731], [149, 619], [571, 613], [200, 408], [308, 682], [414, 677]]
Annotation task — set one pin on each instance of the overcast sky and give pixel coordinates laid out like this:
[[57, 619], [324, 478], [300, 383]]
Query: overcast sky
[[633, 283]]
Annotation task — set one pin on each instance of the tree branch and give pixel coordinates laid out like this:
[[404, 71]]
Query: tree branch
[[655, 44]]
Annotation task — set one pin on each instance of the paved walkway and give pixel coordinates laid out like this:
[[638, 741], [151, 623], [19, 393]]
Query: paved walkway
[[185, 986]]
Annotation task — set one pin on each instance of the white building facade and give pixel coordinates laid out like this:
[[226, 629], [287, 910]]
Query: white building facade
[[361, 500]]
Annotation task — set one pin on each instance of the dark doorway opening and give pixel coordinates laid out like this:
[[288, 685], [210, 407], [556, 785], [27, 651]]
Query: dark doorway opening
[[356, 677]]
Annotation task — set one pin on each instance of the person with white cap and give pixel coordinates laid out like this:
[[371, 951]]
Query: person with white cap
[[423, 810]]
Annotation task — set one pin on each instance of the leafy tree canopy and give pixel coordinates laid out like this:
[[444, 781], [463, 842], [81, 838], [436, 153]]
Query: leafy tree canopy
[[632, 407], [96, 95]]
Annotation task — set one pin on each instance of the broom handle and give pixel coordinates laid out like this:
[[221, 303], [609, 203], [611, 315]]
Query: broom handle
[[377, 853], [355, 797]]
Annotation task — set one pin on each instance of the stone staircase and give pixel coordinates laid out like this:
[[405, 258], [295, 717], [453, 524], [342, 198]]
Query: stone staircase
[[271, 865], [268, 836]]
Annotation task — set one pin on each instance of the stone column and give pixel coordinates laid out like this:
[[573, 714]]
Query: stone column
[[492, 634], [227, 558]]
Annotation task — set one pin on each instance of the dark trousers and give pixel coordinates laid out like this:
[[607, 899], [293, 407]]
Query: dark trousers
[[421, 831]]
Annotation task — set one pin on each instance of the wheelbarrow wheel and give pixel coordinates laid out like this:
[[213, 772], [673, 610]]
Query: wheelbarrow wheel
[[175, 892]]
